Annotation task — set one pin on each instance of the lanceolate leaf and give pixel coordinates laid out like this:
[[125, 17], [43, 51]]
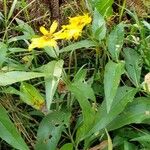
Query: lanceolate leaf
[[3, 50], [115, 41], [102, 118], [9, 133], [17, 76], [98, 26], [136, 112], [83, 92], [112, 76], [133, 62], [53, 71]]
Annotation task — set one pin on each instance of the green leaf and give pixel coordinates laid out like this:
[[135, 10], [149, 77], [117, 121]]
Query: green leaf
[[128, 146], [133, 62], [112, 76], [9, 133], [115, 41], [102, 118], [78, 45], [50, 130], [136, 112], [98, 26], [16, 50], [17, 76], [1, 17], [83, 92], [31, 96], [52, 52], [146, 24], [144, 138], [17, 38], [80, 75], [104, 7], [80, 89], [12, 9], [3, 50], [25, 28], [68, 146], [53, 71]]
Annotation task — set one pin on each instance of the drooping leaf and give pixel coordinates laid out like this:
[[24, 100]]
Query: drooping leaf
[[112, 76], [9, 133], [17, 76], [50, 130], [53, 71], [30, 95], [115, 41], [98, 26], [133, 63]]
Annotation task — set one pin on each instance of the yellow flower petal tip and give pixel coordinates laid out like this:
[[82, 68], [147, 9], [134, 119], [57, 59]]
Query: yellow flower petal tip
[[53, 27], [43, 30]]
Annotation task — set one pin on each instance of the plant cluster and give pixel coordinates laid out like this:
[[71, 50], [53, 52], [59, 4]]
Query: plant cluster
[[84, 86]]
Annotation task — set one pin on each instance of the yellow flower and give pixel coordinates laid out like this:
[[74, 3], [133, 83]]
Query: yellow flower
[[80, 21], [71, 31], [47, 39], [74, 28]]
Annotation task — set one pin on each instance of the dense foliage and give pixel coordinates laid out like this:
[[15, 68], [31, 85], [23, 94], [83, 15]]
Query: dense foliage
[[81, 83]]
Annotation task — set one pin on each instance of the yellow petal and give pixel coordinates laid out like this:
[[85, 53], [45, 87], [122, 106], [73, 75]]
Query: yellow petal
[[53, 27], [42, 42], [43, 30]]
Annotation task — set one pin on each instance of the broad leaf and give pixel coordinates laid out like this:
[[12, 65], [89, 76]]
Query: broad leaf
[[17, 76], [112, 76], [102, 118], [9, 133], [136, 112], [31, 96], [53, 71], [50, 130], [115, 41], [104, 7], [133, 62], [83, 92], [98, 26]]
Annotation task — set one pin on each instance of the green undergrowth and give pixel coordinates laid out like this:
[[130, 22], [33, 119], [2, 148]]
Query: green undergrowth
[[87, 94]]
